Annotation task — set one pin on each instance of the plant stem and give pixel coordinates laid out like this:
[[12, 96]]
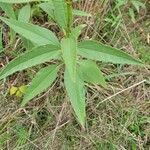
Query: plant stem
[[70, 16]]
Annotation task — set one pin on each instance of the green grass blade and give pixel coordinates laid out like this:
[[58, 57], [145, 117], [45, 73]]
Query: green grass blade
[[81, 13], [44, 78], [34, 33], [31, 58], [97, 51], [1, 40]]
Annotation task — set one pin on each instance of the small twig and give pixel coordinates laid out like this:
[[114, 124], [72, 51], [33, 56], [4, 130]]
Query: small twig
[[11, 116], [16, 43], [130, 87], [59, 119]]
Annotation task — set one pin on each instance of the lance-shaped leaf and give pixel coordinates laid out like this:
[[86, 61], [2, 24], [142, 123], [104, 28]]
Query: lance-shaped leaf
[[97, 51], [48, 7], [25, 13], [90, 72], [31, 58], [34, 33], [21, 1], [77, 30], [8, 8], [69, 50], [60, 13], [24, 16], [44, 78], [81, 13], [76, 93]]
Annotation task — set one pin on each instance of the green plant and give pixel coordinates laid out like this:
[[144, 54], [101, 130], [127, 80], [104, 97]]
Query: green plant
[[77, 57], [10, 13], [136, 5], [115, 17], [22, 135]]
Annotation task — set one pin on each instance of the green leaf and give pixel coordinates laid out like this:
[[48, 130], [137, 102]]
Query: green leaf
[[113, 75], [13, 90], [21, 1], [28, 44], [23, 88], [60, 13], [34, 33], [77, 30], [90, 72], [44, 78], [76, 93], [48, 8], [31, 58], [69, 50], [8, 8], [97, 51], [25, 14], [81, 13], [138, 4]]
